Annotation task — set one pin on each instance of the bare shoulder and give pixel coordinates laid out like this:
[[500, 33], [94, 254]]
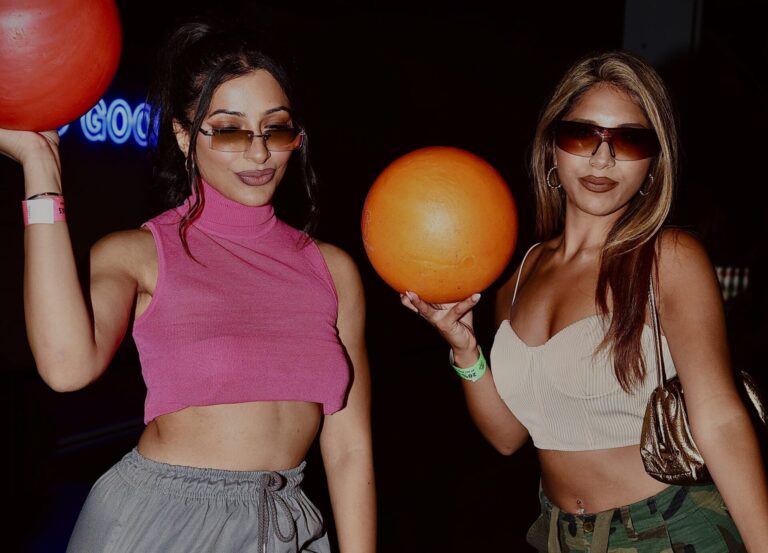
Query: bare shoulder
[[527, 263], [342, 267], [506, 291], [685, 272], [679, 254], [130, 251], [134, 242], [349, 290]]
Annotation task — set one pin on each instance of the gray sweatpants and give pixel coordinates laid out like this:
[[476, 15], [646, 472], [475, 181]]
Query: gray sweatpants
[[142, 506]]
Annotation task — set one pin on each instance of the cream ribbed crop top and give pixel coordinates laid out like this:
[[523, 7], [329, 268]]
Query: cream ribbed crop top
[[567, 396]]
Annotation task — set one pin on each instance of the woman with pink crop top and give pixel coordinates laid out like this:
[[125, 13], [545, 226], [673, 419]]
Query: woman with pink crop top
[[573, 357], [250, 332]]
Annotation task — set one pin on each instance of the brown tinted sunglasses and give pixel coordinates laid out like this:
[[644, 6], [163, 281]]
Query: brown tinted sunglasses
[[276, 139], [625, 143]]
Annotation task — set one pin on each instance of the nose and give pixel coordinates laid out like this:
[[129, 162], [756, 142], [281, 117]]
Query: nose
[[258, 151], [602, 158]]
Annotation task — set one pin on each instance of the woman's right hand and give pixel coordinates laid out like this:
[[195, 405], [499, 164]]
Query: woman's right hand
[[38, 153], [27, 146], [452, 320]]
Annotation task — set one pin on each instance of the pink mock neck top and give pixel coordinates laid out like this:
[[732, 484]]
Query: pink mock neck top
[[251, 318]]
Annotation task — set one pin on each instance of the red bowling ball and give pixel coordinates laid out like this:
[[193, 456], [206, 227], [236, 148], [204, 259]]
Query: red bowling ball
[[57, 58]]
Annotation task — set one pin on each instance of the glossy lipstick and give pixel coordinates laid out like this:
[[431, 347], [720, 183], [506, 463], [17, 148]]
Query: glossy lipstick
[[597, 184], [256, 178]]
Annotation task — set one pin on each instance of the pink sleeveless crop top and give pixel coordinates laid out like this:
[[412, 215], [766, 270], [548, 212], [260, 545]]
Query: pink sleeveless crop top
[[566, 395], [253, 319]]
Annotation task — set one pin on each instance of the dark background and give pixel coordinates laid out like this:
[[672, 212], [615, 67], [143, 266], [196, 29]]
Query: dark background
[[375, 82]]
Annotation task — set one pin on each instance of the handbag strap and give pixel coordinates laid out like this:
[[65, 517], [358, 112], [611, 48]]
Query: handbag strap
[[660, 372]]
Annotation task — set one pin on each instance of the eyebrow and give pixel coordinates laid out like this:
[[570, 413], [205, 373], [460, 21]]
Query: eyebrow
[[241, 114], [622, 126], [278, 108]]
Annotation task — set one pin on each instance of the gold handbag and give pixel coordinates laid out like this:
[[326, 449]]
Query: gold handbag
[[666, 445]]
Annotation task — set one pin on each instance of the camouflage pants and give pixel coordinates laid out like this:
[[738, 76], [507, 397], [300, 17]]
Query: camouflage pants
[[680, 519]]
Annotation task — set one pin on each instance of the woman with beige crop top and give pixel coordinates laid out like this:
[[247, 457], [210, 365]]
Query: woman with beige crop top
[[571, 357]]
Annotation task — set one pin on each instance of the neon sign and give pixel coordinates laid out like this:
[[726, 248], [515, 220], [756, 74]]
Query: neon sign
[[116, 123]]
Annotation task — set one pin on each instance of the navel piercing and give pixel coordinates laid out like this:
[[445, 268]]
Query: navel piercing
[[580, 503]]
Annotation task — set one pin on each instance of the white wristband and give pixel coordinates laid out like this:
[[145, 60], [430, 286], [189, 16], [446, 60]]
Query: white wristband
[[43, 210]]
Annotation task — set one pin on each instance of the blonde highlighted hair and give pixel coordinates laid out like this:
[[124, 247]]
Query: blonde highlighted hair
[[628, 255]]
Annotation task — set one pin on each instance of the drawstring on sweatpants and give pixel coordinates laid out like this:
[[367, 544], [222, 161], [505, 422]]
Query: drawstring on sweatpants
[[270, 483]]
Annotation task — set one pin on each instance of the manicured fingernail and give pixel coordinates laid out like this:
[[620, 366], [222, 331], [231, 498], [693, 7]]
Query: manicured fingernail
[[409, 294], [475, 297]]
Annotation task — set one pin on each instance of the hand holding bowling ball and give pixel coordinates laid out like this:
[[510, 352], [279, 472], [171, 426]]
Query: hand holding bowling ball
[[440, 222], [23, 145]]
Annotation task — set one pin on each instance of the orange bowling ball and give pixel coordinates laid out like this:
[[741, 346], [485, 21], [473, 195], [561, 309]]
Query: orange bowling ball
[[57, 57], [440, 222]]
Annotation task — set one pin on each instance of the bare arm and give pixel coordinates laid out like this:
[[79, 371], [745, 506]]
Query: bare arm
[[345, 441], [70, 347], [488, 411], [692, 318]]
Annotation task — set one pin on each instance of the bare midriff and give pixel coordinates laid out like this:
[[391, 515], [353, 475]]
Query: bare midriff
[[264, 435], [595, 480]]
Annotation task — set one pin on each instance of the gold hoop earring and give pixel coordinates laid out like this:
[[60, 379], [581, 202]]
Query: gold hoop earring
[[549, 181], [647, 188]]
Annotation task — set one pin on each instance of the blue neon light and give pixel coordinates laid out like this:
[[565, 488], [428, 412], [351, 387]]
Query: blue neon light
[[141, 124], [117, 122], [92, 123]]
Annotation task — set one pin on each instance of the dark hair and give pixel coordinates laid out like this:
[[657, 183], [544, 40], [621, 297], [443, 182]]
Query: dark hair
[[192, 63]]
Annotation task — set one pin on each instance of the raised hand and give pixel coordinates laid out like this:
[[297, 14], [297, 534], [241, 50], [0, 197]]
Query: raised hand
[[38, 153], [28, 146], [452, 320]]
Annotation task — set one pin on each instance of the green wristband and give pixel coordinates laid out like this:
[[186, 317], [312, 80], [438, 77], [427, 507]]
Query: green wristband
[[473, 373]]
